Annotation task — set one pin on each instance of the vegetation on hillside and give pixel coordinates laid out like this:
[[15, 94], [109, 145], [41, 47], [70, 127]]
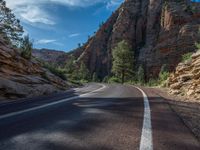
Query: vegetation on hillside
[[10, 27], [12, 31], [26, 47], [187, 57]]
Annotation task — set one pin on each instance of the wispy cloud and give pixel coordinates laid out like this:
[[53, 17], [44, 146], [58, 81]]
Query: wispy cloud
[[113, 3], [45, 41], [33, 11], [74, 35], [36, 15]]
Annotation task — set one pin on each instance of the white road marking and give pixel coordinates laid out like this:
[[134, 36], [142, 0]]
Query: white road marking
[[49, 104], [146, 142]]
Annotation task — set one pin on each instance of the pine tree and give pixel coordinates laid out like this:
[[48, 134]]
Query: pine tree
[[26, 47], [141, 75], [123, 58], [10, 27]]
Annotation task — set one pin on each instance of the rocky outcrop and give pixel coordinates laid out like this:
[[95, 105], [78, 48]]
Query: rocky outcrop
[[158, 31], [186, 79], [50, 56], [24, 78]]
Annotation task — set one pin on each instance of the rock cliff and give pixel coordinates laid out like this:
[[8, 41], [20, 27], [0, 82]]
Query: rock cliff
[[158, 31], [50, 56], [186, 79], [24, 78]]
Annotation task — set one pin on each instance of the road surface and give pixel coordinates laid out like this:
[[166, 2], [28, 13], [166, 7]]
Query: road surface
[[94, 117]]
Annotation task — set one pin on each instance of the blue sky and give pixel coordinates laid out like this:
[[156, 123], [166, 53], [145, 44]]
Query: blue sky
[[61, 24]]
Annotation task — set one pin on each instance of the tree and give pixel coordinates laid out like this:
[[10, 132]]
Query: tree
[[70, 65], [95, 77], [79, 45], [140, 75], [123, 58], [10, 27], [84, 72], [164, 74], [26, 47]]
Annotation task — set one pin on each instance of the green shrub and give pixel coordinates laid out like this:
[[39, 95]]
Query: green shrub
[[187, 57], [95, 77], [56, 71], [105, 79], [163, 76], [152, 82], [26, 48], [197, 46], [114, 80]]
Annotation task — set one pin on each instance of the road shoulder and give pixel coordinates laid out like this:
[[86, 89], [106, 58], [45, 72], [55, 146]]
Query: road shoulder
[[169, 128]]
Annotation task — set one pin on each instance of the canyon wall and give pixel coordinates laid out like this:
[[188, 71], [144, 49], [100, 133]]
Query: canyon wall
[[158, 31]]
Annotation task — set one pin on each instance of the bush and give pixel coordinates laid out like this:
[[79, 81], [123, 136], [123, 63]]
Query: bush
[[114, 80], [197, 46], [163, 76], [95, 77], [26, 48], [152, 82], [56, 71], [187, 57], [105, 79]]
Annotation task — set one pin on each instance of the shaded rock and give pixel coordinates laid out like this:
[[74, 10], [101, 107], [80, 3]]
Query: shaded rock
[[20, 77]]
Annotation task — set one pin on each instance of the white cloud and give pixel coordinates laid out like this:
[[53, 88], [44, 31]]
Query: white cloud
[[74, 35], [30, 11], [45, 41], [36, 15], [33, 11], [113, 3]]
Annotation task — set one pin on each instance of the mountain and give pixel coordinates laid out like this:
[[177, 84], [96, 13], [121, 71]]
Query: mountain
[[20, 77], [55, 56], [47, 54], [50, 56], [158, 31]]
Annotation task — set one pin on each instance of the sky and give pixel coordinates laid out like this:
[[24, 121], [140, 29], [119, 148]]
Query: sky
[[61, 24]]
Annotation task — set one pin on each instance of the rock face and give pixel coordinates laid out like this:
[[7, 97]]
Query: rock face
[[23, 78], [186, 79], [158, 31], [50, 56]]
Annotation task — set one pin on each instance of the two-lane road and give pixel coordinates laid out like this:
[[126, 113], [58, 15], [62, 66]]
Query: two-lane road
[[94, 117]]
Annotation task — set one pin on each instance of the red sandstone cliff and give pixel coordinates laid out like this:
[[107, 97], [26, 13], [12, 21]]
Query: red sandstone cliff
[[159, 32], [24, 78]]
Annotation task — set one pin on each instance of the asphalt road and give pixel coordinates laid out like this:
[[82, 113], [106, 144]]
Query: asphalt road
[[94, 117]]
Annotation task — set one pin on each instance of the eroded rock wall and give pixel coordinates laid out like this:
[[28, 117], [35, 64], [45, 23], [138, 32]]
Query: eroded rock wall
[[186, 79], [24, 78], [158, 31]]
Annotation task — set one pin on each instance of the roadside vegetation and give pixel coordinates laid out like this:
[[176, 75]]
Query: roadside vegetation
[[187, 57], [12, 32]]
